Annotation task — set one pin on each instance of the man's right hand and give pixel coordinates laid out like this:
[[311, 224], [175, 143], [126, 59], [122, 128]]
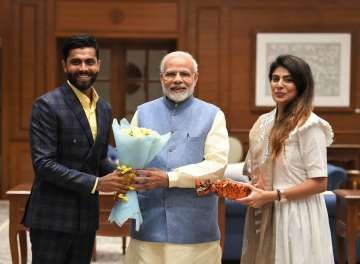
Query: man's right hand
[[112, 182]]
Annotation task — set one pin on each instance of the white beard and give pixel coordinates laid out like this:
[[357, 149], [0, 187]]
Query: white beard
[[176, 96]]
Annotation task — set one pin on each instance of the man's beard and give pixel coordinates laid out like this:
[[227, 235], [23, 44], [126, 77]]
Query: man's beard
[[178, 97], [81, 85]]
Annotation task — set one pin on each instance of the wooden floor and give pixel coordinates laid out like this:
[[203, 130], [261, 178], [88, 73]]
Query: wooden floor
[[109, 249]]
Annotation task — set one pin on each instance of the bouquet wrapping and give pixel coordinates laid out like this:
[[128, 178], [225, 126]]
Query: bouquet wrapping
[[135, 148], [225, 188]]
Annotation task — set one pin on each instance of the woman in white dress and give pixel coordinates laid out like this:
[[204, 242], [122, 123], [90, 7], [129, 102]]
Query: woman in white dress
[[287, 221]]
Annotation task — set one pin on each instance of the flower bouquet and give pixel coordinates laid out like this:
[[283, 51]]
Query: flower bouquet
[[135, 148], [226, 188]]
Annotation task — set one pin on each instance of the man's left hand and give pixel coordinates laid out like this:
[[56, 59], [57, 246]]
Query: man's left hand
[[150, 179]]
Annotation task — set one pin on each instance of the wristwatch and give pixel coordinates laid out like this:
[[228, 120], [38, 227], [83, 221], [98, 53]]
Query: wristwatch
[[281, 195]]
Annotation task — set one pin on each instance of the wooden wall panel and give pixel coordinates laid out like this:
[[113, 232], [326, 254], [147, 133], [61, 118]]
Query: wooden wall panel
[[207, 40], [28, 59], [21, 170], [348, 136], [220, 34], [112, 16], [25, 80], [3, 16], [207, 53], [4, 35], [29, 64], [5, 26], [242, 61]]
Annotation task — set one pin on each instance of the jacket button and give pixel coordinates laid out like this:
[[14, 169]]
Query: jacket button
[[74, 141]]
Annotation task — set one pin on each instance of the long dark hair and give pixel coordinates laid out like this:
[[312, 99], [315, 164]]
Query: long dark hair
[[298, 110]]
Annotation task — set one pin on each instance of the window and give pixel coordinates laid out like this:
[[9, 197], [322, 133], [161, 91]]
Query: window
[[142, 75]]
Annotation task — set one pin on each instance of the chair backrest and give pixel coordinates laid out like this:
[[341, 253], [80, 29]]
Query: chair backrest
[[236, 150]]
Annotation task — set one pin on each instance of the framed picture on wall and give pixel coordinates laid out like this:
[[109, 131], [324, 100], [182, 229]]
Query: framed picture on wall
[[328, 55]]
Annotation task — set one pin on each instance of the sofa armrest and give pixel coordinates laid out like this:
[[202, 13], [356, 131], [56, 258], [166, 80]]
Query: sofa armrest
[[336, 177]]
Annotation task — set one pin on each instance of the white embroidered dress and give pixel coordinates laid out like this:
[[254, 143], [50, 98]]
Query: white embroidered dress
[[296, 231], [302, 227]]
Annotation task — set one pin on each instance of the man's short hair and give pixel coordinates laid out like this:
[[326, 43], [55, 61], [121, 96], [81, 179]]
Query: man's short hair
[[79, 41], [178, 53]]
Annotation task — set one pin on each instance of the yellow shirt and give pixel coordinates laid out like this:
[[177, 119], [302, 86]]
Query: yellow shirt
[[89, 107]]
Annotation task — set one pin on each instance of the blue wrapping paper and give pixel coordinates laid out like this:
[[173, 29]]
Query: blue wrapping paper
[[135, 152]]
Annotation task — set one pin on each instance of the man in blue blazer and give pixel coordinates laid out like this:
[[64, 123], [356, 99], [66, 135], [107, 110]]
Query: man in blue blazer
[[69, 131]]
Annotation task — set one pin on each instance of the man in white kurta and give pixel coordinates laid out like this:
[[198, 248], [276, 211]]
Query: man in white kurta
[[178, 226]]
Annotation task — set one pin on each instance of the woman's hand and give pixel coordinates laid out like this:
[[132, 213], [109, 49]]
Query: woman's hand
[[259, 183], [258, 197]]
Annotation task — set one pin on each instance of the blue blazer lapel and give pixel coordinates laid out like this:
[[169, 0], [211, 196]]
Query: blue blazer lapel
[[73, 102], [99, 121], [100, 135]]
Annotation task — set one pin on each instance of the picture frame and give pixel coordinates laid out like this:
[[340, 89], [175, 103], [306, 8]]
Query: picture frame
[[329, 57]]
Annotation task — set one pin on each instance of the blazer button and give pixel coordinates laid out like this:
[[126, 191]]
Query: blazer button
[[74, 141]]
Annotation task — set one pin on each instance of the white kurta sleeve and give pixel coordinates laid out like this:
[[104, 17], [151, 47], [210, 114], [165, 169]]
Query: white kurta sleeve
[[215, 158], [313, 151]]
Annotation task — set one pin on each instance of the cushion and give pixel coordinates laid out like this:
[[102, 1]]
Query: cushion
[[330, 200], [234, 171]]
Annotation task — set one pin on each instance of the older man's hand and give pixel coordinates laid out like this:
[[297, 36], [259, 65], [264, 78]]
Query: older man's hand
[[150, 179]]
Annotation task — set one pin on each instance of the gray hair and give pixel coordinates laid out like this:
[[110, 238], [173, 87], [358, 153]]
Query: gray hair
[[178, 53]]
